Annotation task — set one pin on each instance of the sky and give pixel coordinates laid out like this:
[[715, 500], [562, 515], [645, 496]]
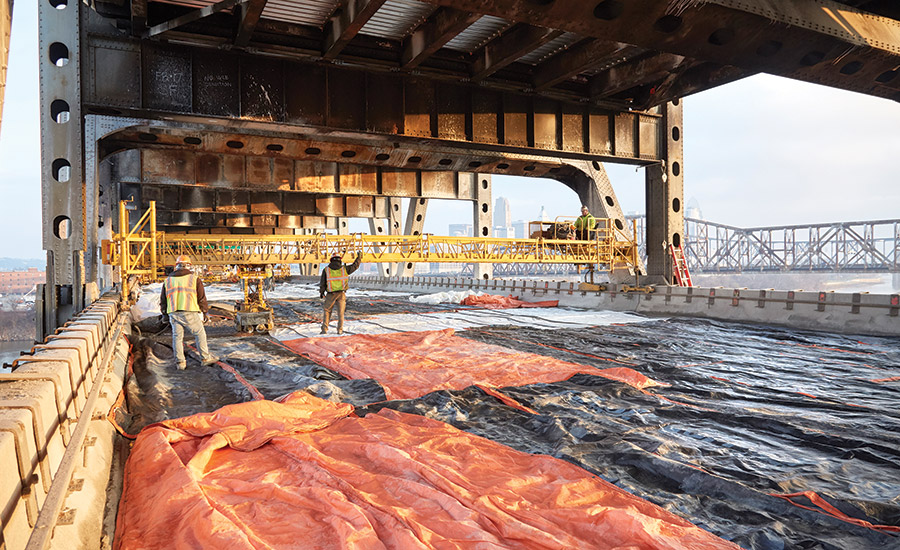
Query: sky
[[761, 151]]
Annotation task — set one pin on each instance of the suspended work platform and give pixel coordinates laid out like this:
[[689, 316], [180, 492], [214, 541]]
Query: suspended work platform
[[143, 251]]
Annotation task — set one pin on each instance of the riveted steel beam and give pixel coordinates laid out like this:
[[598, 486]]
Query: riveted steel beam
[[665, 199], [649, 69], [191, 16], [443, 25], [691, 78], [482, 219], [252, 92], [62, 159], [586, 55], [509, 47], [251, 11], [346, 23], [818, 41], [138, 17]]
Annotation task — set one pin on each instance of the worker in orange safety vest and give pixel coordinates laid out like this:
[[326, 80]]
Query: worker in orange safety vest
[[333, 287], [183, 301]]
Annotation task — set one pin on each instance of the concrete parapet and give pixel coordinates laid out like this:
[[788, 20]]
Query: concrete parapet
[[41, 402], [852, 313]]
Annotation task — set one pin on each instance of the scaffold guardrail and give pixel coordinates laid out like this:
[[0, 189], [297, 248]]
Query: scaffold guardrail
[[143, 251]]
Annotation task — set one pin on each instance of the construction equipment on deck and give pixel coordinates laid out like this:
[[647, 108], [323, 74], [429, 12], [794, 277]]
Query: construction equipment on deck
[[682, 275], [253, 312], [144, 252]]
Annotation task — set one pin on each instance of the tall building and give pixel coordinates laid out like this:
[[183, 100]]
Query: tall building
[[693, 209], [501, 213], [520, 229], [544, 217]]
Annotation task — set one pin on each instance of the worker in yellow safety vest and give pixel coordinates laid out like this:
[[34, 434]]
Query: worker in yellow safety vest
[[584, 225], [333, 287], [183, 302]]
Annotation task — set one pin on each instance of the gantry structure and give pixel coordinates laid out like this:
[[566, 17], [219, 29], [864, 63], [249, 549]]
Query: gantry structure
[[286, 117]]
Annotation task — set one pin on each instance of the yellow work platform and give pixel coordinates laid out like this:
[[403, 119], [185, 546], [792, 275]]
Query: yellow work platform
[[144, 253]]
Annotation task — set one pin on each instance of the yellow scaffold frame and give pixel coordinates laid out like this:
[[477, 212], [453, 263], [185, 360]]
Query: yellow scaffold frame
[[143, 253]]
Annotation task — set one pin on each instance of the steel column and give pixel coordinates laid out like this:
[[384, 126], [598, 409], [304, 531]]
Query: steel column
[[665, 197], [483, 218], [415, 222], [62, 150]]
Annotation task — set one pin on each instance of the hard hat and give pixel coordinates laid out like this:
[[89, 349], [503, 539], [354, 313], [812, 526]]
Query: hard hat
[[336, 257], [183, 260]]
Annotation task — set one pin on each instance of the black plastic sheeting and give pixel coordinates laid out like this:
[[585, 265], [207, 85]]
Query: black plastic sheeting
[[735, 429], [750, 410]]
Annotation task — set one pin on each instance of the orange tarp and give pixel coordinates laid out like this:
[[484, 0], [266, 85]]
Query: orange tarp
[[491, 301], [412, 364], [308, 474]]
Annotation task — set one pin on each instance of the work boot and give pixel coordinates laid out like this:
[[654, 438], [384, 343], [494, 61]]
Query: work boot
[[211, 360], [340, 331], [323, 331], [181, 366]]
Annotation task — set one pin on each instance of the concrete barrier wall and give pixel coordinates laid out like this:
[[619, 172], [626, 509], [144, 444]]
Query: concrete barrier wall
[[41, 401], [851, 313]]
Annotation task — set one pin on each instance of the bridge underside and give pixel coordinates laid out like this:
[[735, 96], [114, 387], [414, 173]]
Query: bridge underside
[[289, 117]]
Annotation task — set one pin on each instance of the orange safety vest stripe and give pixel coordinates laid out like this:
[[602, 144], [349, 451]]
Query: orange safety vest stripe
[[337, 279], [181, 293]]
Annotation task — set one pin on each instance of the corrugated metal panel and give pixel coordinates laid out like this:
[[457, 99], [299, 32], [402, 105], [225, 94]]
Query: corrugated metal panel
[[306, 12], [302, 12], [550, 48], [397, 18], [478, 34]]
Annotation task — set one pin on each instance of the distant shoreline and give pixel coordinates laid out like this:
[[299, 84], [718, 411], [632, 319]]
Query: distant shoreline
[[16, 325]]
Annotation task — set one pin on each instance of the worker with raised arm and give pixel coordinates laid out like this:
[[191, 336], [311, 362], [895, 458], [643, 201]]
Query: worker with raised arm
[[183, 301], [333, 287], [584, 225]]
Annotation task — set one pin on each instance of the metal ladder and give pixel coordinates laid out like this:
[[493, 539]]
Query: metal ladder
[[682, 275]]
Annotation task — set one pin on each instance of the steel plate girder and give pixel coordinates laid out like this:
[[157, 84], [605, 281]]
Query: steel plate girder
[[816, 40], [443, 25], [305, 99]]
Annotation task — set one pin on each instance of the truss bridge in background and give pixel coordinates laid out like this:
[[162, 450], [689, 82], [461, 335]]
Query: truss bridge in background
[[839, 247]]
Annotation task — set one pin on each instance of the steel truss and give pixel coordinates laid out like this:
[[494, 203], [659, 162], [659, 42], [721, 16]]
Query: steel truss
[[848, 247]]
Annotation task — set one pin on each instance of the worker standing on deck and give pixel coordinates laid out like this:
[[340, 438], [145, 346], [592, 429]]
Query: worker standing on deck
[[584, 225], [334, 282], [183, 301]]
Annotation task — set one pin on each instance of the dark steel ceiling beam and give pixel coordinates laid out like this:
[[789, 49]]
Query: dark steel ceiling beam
[[433, 34], [579, 58], [509, 47], [695, 78], [634, 73], [801, 39], [192, 16], [138, 17], [250, 13], [346, 23]]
